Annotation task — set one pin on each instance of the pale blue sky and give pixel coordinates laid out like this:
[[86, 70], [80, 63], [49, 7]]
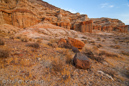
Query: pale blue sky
[[118, 9]]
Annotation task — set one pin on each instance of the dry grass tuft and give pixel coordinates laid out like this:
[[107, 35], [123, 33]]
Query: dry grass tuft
[[1, 42], [93, 53], [24, 39], [98, 39], [4, 53], [57, 66], [69, 58], [115, 46], [99, 46], [92, 42], [109, 54], [125, 53], [34, 45], [54, 45], [109, 71]]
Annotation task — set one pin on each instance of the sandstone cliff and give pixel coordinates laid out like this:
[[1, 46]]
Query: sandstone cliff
[[26, 13]]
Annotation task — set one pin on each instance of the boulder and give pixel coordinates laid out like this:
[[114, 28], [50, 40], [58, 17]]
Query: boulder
[[76, 43], [81, 61], [75, 50]]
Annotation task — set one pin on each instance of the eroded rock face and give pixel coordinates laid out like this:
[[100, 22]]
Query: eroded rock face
[[26, 13], [108, 24], [81, 61]]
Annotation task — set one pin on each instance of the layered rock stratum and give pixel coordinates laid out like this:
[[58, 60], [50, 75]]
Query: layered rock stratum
[[26, 13]]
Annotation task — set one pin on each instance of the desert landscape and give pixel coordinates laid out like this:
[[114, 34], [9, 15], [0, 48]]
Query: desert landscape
[[43, 45]]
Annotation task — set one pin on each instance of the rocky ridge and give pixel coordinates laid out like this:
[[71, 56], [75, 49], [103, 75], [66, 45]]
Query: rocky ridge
[[26, 13]]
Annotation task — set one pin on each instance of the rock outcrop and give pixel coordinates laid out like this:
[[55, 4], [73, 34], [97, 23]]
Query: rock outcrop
[[76, 43], [108, 24], [71, 42], [81, 61], [26, 13]]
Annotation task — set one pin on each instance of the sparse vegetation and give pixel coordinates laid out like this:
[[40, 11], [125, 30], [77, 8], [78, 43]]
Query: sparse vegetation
[[109, 71], [57, 66], [115, 46], [85, 41], [69, 58], [54, 45], [34, 45], [99, 46], [103, 40], [4, 53], [1, 42], [92, 42], [93, 53], [98, 39], [125, 53], [108, 54], [24, 39]]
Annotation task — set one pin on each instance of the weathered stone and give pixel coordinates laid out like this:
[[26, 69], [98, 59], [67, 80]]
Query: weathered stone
[[76, 43], [81, 61], [75, 50]]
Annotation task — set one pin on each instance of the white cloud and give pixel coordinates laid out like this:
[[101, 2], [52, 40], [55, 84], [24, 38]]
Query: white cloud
[[106, 5], [111, 6]]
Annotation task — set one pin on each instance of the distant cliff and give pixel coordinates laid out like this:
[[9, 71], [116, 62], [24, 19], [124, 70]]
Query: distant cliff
[[25, 13]]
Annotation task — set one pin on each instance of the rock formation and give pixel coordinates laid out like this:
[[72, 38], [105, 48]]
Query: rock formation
[[81, 61], [107, 24], [26, 13]]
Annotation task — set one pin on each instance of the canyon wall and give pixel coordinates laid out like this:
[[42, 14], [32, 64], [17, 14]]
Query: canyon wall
[[26, 13]]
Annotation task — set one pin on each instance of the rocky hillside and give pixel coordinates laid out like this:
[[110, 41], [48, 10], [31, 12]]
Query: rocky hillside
[[26, 13]]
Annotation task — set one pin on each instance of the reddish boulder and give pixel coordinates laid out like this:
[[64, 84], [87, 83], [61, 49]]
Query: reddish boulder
[[76, 43], [81, 61]]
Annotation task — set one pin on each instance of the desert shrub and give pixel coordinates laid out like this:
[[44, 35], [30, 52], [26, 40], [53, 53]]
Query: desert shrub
[[65, 45], [115, 46], [99, 46], [24, 39], [39, 40], [54, 45], [92, 42], [84, 37], [54, 40], [57, 66], [109, 71], [98, 39], [103, 40], [115, 41], [1, 42], [34, 45], [69, 59], [93, 53], [125, 53], [11, 37], [4, 53], [126, 72], [108, 54]]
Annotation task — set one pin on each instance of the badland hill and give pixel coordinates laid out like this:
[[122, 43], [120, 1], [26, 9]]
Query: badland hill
[[43, 45]]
